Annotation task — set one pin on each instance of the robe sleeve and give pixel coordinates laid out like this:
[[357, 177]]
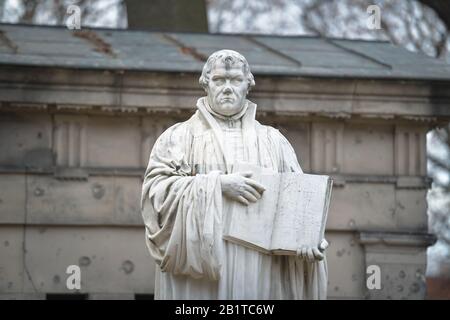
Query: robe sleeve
[[288, 158], [181, 211], [307, 280]]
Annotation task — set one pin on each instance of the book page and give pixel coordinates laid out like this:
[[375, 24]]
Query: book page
[[253, 223], [300, 219], [291, 213]]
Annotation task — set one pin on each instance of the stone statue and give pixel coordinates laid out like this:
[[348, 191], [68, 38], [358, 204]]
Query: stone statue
[[189, 175]]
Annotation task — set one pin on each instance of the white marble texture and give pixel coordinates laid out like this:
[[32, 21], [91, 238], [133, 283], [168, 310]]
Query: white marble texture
[[188, 174]]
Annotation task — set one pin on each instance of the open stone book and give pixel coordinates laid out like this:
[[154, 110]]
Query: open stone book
[[292, 212]]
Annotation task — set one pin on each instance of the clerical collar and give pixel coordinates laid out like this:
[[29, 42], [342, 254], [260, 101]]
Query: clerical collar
[[232, 118]]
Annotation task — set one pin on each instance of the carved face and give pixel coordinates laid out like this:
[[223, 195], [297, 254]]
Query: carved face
[[227, 88]]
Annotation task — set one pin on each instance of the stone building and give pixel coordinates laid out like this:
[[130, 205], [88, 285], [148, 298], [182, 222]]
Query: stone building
[[80, 111]]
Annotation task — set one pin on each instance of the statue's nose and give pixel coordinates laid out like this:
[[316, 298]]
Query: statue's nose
[[227, 88]]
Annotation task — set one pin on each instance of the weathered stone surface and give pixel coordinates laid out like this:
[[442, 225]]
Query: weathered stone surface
[[12, 198], [368, 149], [362, 206], [111, 260], [327, 149], [25, 139], [402, 263], [12, 271], [410, 208], [373, 206], [345, 253], [113, 142], [99, 200], [410, 151]]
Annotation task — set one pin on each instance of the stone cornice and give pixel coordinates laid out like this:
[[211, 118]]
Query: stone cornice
[[89, 91], [396, 239], [339, 180]]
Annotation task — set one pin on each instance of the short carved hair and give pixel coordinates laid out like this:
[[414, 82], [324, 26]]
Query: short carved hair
[[229, 58]]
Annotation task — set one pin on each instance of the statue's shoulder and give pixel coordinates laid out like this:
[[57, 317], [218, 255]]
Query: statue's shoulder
[[197, 124], [269, 130], [175, 132], [274, 135], [183, 130]]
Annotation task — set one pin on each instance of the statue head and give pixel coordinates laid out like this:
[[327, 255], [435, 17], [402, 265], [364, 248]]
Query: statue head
[[227, 79]]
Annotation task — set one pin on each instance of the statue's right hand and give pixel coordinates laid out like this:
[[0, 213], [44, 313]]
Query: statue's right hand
[[239, 187]]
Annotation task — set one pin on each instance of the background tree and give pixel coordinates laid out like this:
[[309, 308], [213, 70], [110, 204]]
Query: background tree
[[94, 13]]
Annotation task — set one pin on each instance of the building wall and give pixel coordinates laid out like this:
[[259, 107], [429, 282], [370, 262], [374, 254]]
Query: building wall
[[73, 153]]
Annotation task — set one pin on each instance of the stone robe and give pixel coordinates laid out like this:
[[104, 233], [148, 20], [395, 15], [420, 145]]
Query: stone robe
[[182, 205]]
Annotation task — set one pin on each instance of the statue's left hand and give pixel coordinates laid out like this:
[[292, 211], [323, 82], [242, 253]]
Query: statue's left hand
[[313, 254]]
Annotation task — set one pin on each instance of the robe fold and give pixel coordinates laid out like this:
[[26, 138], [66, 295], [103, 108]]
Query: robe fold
[[182, 208]]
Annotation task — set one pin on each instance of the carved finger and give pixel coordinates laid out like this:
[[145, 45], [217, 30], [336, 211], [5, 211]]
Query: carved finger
[[252, 191], [303, 254], [242, 200], [323, 245], [247, 195], [310, 255], [259, 187], [317, 254]]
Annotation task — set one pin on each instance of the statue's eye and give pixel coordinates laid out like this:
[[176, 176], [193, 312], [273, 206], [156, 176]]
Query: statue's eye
[[218, 81]]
